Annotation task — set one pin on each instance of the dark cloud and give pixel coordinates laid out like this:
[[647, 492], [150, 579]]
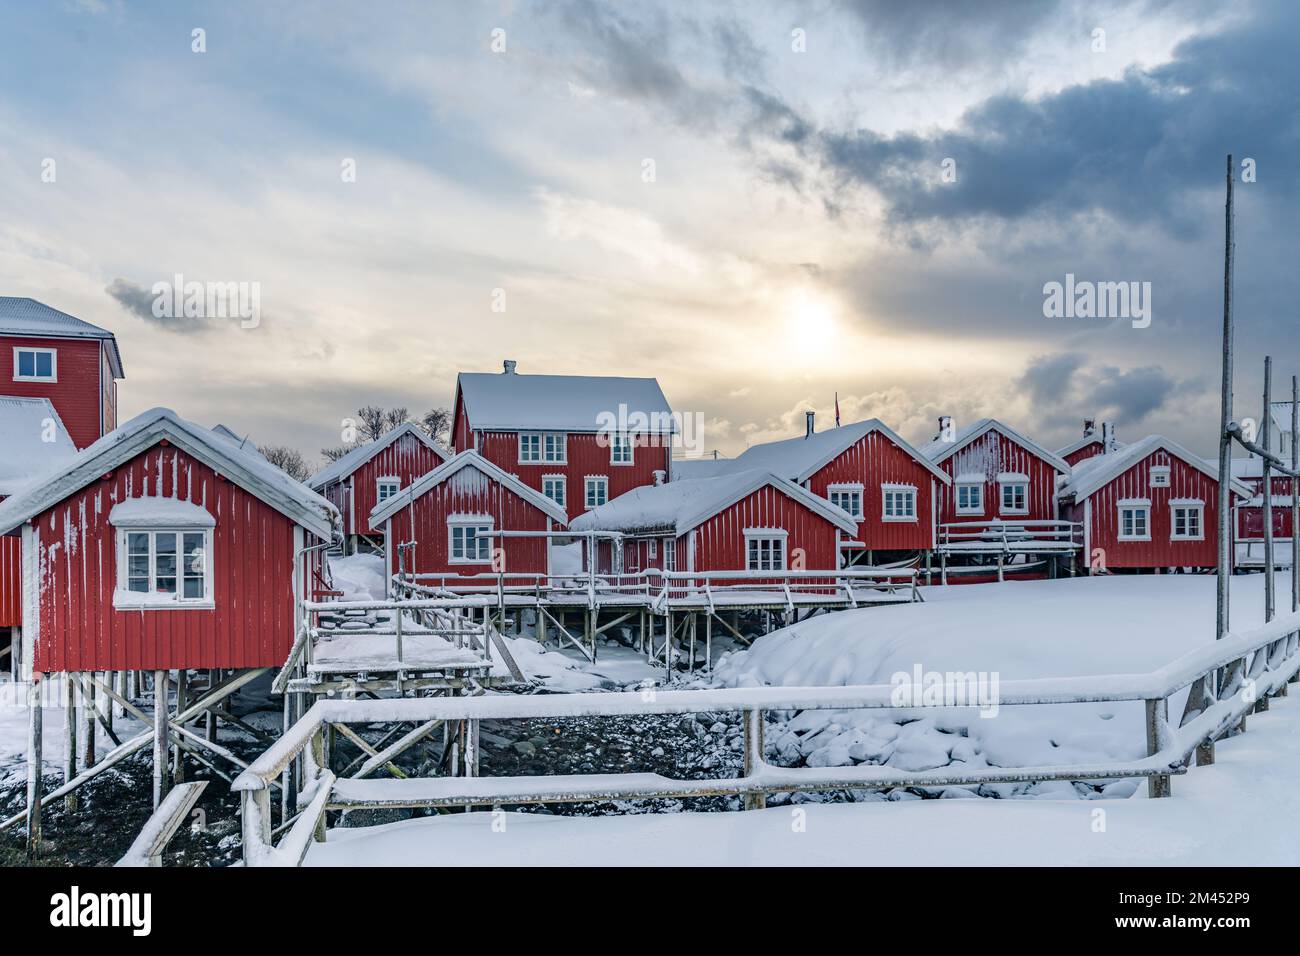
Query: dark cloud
[[1131, 395], [1048, 378]]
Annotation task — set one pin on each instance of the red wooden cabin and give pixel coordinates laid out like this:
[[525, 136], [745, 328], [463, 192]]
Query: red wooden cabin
[[1093, 442], [865, 468], [1250, 513], [373, 473], [50, 357], [581, 440], [450, 513], [743, 521], [163, 546], [996, 473], [1152, 504]]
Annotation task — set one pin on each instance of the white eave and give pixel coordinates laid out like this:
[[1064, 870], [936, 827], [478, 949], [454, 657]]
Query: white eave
[[345, 465]]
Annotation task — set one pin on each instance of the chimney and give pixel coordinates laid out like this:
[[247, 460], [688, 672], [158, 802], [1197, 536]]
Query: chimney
[[508, 367], [1107, 437], [808, 423], [1089, 426], [715, 454], [658, 476], [945, 428]]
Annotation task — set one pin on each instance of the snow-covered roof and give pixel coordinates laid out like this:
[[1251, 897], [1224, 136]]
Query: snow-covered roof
[[244, 443], [255, 475], [26, 453], [509, 401], [800, 458], [1088, 439], [679, 506], [1098, 471], [347, 464], [153, 512], [939, 450], [684, 468], [23, 316], [1252, 467], [468, 458]]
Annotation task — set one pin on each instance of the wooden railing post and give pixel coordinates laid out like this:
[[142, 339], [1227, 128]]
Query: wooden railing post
[[753, 721], [1157, 725]]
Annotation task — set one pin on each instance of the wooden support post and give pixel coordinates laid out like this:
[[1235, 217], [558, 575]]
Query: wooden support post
[[694, 621], [943, 567], [591, 630], [211, 717], [70, 739], [88, 716], [34, 778], [708, 643], [1001, 572], [159, 737], [321, 759], [668, 646], [178, 768], [640, 640], [753, 723], [1157, 713]]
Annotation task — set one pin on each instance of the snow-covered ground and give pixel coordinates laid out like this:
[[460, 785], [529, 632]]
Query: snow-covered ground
[[1016, 630], [1243, 810]]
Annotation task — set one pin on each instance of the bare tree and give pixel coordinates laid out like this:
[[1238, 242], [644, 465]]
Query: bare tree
[[372, 423], [288, 460], [334, 454], [395, 418], [437, 422]]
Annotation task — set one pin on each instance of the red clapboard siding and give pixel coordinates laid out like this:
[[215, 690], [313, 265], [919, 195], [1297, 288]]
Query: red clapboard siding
[[11, 576], [1084, 453], [720, 541], [872, 461], [76, 395], [1160, 552], [469, 492], [587, 455], [252, 624], [408, 458], [990, 455], [1250, 518]]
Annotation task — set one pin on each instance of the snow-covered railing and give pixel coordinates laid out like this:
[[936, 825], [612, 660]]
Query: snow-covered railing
[[1010, 536], [148, 847], [1226, 680]]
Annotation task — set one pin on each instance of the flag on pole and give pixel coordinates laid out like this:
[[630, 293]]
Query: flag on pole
[[837, 409]]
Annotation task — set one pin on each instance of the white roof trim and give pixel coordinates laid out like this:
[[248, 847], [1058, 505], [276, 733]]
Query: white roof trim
[[255, 475], [468, 458], [1100, 470], [849, 434], [347, 464], [992, 424]]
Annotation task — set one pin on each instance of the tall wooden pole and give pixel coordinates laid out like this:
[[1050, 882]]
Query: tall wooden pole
[[1270, 598], [1225, 419], [34, 779]]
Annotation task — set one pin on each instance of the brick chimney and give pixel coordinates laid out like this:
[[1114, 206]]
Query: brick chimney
[[508, 367], [1089, 426]]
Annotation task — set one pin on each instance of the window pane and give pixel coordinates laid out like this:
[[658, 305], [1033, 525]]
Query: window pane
[[193, 588], [27, 363], [137, 543], [140, 584], [44, 364], [165, 585], [137, 566], [195, 554]]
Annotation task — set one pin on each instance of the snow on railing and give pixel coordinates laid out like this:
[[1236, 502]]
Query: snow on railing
[[148, 847], [1227, 679], [1010, 535]]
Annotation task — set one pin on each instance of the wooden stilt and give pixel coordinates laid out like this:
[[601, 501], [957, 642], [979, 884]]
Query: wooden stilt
[[178, 767], [159, 737], [34, 779], [70, 739], [708, 644], [211, 717], [88, 716]]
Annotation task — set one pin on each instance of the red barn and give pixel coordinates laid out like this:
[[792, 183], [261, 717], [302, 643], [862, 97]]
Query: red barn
[[581, 440], [886, 485], [1093, 442], [741, 521], [371, 474], [996, 473], [1152, 504], [163, 546], [451, 512]]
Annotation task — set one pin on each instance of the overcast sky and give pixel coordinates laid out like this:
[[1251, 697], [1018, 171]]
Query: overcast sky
[[798, 236]]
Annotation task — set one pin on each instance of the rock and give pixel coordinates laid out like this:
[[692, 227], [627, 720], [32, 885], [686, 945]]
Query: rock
[[524, 748]]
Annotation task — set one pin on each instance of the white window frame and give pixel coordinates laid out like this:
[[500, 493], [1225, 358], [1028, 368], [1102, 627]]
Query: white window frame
[[652, 549], [670, 554], [1143, 507], [587, 483], [563, 482], [391, 481], [886, 492], [621, 443], [1002, 497], [1160, 471], [54, 364], [1192, 507], [969, 509], [855, 490], [552, 448], [460, 522], [153, 600], [772, 536]]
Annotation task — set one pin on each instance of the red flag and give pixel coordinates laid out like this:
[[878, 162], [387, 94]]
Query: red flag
[[837, 409]]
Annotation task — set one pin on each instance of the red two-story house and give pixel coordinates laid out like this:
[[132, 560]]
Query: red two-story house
[[581, 440], [58, 393]]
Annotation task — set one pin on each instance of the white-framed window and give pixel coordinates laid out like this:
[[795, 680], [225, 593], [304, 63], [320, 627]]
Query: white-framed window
[[1134, 521], [765, 549], [597, 491], [386, 487], [35, 365], [620, 449], [541, 447], [553, 487], [468, 539], [1187, 521], [970, 499], [670, 554], [898, 503], [848, 497], [1015, 497], [1159, 476], [164, 567], [652, 549]]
